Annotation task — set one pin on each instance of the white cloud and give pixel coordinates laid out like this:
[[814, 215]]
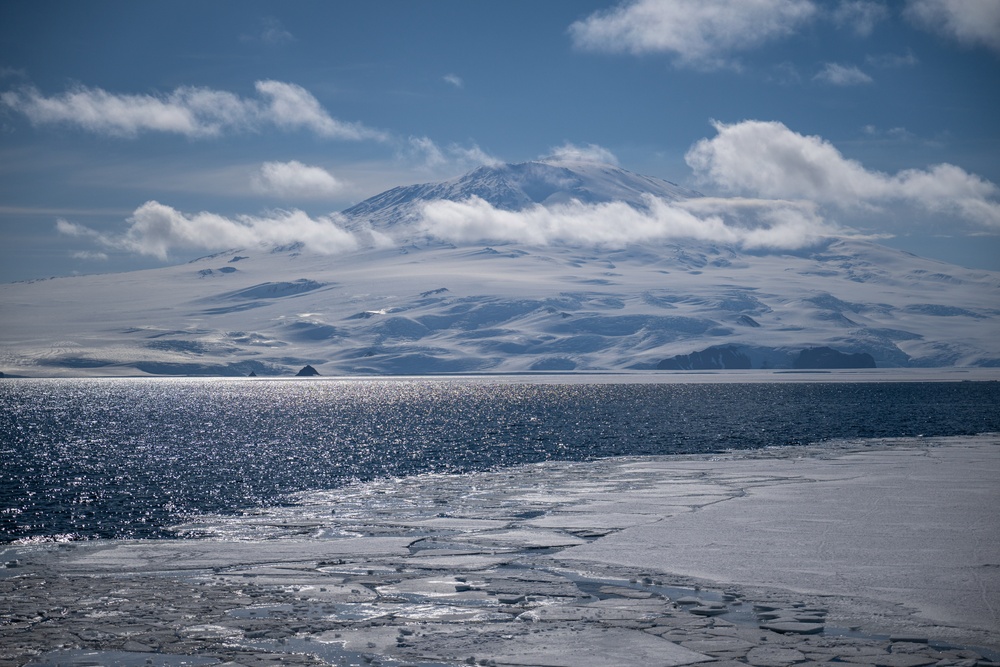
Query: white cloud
[[294, 179], [842, 75], [454, 80], [699, 33], [90, 255], [785, 74], [899, 134], [427, 152], [860, 15], [189, 111], [274, 32], [590, 153], [156, 229], [293, 107], [428, 155], [766, 159], [892, 60], [970, 22], [68, 228], [12, 72], [776, 225]]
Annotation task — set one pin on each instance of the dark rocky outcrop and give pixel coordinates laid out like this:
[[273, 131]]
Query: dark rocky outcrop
[[829, 358], [307, 371], [713, 358]]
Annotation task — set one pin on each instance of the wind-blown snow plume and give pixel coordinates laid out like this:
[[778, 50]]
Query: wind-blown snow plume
[[156, 229], [779, 225], [766, 159], [189, 111], [699, 33]]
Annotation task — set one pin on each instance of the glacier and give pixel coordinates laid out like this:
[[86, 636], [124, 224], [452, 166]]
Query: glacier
[[417, 303]]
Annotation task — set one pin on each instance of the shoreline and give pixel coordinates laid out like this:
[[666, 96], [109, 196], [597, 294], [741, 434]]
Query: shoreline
[[943, 374], [530, 565]]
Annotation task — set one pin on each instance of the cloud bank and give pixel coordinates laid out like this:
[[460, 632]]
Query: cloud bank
[[698, 33], [189, 111], [156, 230], [786, 185], [766, 159], [750, 224]]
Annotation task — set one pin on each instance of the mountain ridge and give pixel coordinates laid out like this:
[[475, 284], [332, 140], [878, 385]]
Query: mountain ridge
[[514, 187], [424, 305]]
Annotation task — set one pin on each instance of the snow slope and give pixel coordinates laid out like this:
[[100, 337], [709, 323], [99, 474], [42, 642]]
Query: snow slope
[[425, 306]]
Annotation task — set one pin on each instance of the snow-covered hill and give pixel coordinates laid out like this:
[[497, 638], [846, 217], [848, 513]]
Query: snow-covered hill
[[427, 306]]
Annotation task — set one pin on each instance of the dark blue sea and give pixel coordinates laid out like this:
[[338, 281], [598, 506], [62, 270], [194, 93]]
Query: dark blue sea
[[126, 458]]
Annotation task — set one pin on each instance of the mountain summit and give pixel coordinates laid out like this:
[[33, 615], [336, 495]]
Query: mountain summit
[[514, 187], [428, 306]]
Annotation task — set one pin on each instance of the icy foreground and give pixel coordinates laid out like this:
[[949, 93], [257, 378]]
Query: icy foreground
[[761, 558], [412, 300]]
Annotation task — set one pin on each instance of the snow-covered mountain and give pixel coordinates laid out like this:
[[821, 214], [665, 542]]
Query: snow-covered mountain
[[427, 306], [513, 187]]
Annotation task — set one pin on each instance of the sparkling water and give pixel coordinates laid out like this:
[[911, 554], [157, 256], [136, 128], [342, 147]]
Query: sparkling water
[[123, 458]]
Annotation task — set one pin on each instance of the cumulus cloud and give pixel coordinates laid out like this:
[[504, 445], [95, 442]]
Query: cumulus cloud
[[189, 111], [773, 225], [294, 179], [970, 22], [842, 75], [860, 15], [766, 159], [590, 153], [698, 33], [156, 230]]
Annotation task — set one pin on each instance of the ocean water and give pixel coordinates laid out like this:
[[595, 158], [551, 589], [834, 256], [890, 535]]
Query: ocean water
[[127, 458]]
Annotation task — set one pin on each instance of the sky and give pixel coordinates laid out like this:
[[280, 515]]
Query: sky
[[136, 135]]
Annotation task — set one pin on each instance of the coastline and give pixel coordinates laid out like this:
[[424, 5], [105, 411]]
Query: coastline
[[935, 374], [874, 540]]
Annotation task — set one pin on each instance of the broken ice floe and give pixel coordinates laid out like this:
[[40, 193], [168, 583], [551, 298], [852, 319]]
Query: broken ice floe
[[442, 570]]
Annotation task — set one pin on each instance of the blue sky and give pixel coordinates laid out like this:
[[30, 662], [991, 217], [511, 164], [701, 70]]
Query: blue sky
[[881, 115]]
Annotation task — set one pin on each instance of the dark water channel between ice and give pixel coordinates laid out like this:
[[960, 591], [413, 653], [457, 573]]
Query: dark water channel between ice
[[118, 458]]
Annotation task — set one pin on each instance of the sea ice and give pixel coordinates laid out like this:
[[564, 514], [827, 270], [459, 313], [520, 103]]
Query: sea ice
[[896, 537]]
